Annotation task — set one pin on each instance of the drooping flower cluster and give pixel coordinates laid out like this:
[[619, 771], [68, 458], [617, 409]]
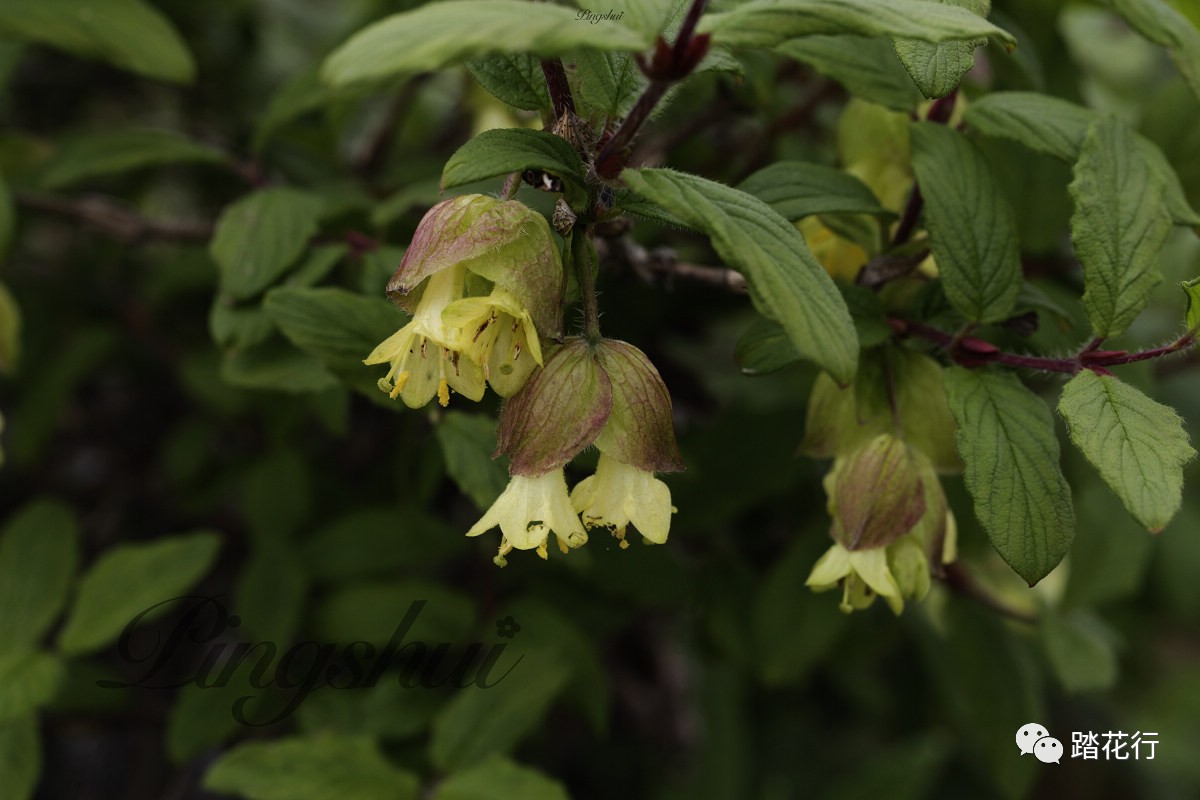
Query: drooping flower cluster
[[604, 393], [481, 279], [892, 528]]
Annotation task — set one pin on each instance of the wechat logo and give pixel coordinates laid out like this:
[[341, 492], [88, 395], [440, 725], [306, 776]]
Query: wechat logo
[[1034, 738]]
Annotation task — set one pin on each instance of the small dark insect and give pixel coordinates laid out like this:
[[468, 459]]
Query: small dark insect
[[542, 180]]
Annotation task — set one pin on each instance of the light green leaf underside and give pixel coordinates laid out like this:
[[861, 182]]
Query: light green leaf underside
[[1057, 128], [799, 189], [1006, 439], [786, 282], [311, 768], [971, 226], [1137, 445], [1165, 26], [129, 34], [109, 153], [767, 23], [1119, 225], [866, 65], [938, 68], [440, 34]]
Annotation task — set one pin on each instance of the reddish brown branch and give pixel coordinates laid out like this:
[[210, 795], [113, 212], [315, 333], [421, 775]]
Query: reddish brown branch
[[117, 221]]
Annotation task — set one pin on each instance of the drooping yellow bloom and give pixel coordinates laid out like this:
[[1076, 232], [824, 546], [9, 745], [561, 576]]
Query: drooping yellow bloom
[[423, 355], [863, 575], [620, 494], [528, 511], [498, 333]]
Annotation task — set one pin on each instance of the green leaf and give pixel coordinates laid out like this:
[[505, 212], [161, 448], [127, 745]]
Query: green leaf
[[335, 326], [376, 540], [545, 624], [260, 236], [786, 282], [129, 34], [972, 232], [440, 34], [480, 722], [609, 83], [650, 17], [234, 326], [20, 757], [867, 66], [270, 594], [98, 154], [300, 95], [38, 558], [798, 189], [1165, 26], [1119, 226], [129, 579], [28, 680], [499, 778], [1006, 439], [1192, 316], [1139, 446], [764, 348], [938, 68], [516, 79], [276, 366], [505, 150], [311, 768], [767, 23], [372, 612], [276, 495], [1079, 647], [467, 442], [1058, 128]]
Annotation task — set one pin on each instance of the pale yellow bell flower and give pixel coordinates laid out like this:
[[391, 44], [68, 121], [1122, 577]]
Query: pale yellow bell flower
[[620, 494], [423, 354], [528, 511]]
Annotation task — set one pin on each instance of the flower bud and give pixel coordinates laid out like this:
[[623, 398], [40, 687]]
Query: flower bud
[[561, 410], [876, 494], [840, 420], [640, 430]]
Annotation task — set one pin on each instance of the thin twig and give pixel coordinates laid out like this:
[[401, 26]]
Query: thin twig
[[668, 66], [661, 262], [116, 221], [971, 352]]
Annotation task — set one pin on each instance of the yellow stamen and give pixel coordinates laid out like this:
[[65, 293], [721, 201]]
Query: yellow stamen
[[542, 552], [443, 392], [562, 546]]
